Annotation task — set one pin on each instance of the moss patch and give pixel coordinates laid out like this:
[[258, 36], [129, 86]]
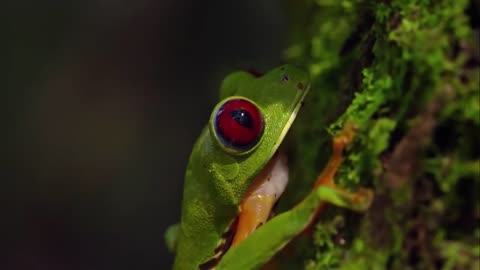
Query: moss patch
[[407, 72]]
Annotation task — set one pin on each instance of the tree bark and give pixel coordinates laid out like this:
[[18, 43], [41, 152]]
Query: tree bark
[[407, 73]]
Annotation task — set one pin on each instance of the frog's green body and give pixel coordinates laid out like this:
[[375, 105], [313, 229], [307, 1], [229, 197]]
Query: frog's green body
[[216, 179], [221, 170]]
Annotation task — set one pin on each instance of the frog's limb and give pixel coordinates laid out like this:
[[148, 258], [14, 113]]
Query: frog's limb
[[264, 243], [270, 238], [340, 142], [359, 200], [171, 237]]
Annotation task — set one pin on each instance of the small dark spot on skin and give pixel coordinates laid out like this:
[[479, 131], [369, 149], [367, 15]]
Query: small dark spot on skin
[[285, 77], [300, 85], [259, 225], [268, 179]]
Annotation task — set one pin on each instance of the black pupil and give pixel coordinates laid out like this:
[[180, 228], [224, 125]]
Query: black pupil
[[242, 117]]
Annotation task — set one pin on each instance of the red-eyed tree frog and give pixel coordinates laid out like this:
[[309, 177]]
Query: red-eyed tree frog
[[237, 172]]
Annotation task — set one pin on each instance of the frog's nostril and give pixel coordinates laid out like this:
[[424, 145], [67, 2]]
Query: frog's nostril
[[300, 85]]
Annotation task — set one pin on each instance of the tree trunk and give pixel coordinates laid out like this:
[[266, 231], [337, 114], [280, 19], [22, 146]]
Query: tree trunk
[[407, 73]]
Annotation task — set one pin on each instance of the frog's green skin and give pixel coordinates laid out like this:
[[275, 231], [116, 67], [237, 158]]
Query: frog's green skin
[[216, 178]]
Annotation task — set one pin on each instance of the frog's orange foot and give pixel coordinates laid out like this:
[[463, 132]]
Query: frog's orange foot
[[326, 177], [345, 137], [362, 199]]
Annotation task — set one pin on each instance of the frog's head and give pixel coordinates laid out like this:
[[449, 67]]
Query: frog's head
[[253, 117]]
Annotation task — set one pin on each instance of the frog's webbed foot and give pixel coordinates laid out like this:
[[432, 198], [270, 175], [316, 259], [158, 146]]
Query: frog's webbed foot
[[360, 200], [325, 186]]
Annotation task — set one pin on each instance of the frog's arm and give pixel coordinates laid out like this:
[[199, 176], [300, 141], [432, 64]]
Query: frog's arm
[[263, 244]]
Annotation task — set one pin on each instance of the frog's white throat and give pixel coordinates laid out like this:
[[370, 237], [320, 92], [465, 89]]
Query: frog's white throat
[[272, 179]]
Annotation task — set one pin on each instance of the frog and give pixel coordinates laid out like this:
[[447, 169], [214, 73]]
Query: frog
[[238, 170]]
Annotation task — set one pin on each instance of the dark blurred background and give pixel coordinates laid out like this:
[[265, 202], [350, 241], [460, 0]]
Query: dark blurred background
[[104, 100]]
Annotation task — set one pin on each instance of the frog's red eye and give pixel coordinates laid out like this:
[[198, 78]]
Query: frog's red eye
[[238, 124]]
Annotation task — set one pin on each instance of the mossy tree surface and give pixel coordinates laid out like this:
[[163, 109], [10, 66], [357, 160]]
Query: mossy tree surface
[[407, 72]]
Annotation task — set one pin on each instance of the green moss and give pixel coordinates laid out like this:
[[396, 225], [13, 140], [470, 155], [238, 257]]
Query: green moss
[[384, 65]]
